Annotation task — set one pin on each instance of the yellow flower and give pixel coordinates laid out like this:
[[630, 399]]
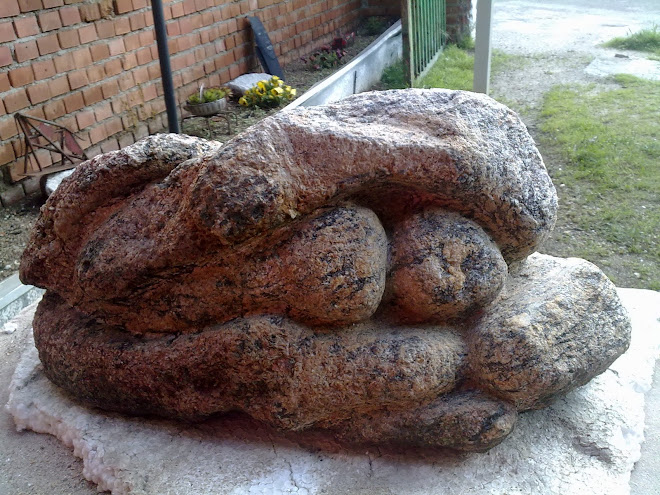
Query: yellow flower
[[274, 78], [276, 91], [262, 85], [292, 92], [242, 101]]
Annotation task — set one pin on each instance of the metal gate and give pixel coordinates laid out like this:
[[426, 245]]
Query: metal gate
[[424, 33]]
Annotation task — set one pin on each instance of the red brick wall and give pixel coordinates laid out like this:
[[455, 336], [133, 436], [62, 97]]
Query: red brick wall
[[381, 7], [458, 19], [92, 65]]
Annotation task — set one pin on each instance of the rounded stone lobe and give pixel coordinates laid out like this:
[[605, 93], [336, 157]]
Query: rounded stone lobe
[[325, 269], [556, 324], [443, 267], [331, 271], [466, 420], [269, 367]]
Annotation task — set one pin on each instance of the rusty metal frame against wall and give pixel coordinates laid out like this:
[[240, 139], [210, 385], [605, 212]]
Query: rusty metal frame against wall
[[44, 134]]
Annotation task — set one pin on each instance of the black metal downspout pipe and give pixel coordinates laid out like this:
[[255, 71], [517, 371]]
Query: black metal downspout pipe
[[165, 69]]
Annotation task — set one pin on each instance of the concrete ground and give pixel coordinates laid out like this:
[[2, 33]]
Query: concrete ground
[[645, 479], [33, 464]]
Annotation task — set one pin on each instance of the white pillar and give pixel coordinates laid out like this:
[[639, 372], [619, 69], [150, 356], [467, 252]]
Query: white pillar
[[482, 47]]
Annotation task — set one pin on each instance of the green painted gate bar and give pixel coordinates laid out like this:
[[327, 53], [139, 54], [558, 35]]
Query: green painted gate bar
[[424, 32]]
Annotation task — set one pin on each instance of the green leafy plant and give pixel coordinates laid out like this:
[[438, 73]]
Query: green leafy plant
[[267, 94], [208, 95], [394, 76], [375, 25], [325, 57], [465, 42]]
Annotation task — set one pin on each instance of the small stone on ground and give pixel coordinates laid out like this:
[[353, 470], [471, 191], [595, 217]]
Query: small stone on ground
[[242, 83]]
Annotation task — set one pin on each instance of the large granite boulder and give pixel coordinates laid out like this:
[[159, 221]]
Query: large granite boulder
[[361, 268]]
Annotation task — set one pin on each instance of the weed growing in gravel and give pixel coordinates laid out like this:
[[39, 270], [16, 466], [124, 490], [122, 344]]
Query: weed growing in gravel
[[646, 40], [611, 140]]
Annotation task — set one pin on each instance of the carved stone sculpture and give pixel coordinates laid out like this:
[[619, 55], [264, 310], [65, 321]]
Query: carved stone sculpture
[[365, 268]]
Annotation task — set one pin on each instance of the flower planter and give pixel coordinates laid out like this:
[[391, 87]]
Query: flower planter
[[206, 109]]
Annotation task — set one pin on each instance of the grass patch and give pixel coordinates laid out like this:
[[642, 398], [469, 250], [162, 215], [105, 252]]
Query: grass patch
[[646, 40], [453, 70], [611, 142], [501, 62], [466, 43]]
